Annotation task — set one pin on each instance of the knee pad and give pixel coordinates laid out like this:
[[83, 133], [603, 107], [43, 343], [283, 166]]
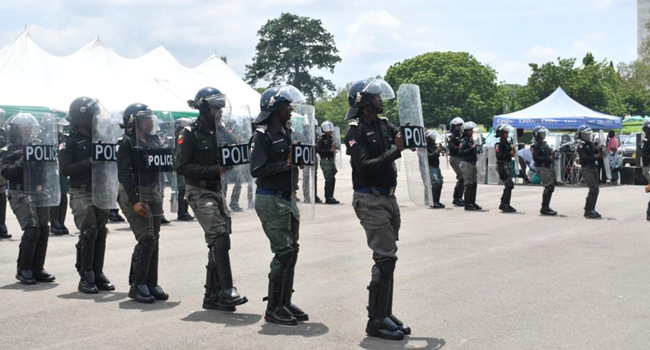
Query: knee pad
[[594, 191], [286, 259], [375, 275], [148, 243], [550, 189], [386, 268], [510, 185], [89, 234], [221, 244], [32, 233]]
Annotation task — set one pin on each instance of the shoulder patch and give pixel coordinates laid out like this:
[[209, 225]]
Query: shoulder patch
[[353, 122], [188, 128], [383, 118], [261, 129]]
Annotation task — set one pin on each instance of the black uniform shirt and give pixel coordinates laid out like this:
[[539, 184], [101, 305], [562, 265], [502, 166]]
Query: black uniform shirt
[[587, 152], [467, 153], [269, 152], [433, 155], [502, 150], [74, 159], [196, 153], [127, 165], [324, 145], [542, 153], [372, 152], [453, 142]]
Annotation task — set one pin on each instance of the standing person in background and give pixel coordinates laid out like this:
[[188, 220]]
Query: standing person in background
[[589, 154], [543, 157], [468, 158], [453, 143], [326, 149], [58, 213], [433, 155]]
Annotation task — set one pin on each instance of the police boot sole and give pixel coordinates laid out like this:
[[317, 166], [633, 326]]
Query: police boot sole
[[161, 297], [385, 334], [141, 299], [288, 323], [232, 302], [210, 306], [44, 279], [5, 236], [301, 317], [26, 281], [105, 286], [88, 290]]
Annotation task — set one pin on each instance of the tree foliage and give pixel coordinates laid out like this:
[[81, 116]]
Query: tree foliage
[[289, 48], [452, 84]]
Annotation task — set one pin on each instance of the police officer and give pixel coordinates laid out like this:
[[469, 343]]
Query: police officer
[[58, 213], [374, 144], [504, 152], [589, 154], [544, 157], [33, 220], [645, 158], [453, 142], [140, 199], [75, 159], [274, 199], [433, 154], [198, 162], [4, 233], [468, 157], [326, 148]]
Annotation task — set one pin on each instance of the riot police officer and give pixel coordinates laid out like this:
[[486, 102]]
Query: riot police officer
[[326, 148], [544, 157], [374, 144], [75, 158], [183, 205], [453, 142], [33, 188], [468, 152], [504, 152], [433, 154], [589, 154], [645, 158], [198, 162], [140, 199], [275, 202]]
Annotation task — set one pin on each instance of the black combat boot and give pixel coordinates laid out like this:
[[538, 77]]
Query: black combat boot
[[275, 312], [400, 325], [288, 293], [379, 324], [437, 191], [212, 287], [115, 216], [101, 281], [458, 194], [140, 262], [228, 295], [546, 200], [3, 214], [87, 282], [152, 278], [40, 275]]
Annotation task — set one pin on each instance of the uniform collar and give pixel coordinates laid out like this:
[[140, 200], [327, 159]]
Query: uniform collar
[[273, 129]]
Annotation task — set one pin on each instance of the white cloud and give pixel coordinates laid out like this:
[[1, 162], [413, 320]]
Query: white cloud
[[513, 72], [542, 53]]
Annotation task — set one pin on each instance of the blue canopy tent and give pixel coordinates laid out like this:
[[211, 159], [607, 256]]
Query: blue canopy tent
[[558, 112]]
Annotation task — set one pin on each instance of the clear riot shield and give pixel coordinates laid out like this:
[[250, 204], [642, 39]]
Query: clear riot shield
[[443, 131], [38, 133], [338, 157], [416, 163], [557, 158], [155, 158], [605, 152], [515, 145], [303, 121], [482, 157], [105, 132], [234, 151]]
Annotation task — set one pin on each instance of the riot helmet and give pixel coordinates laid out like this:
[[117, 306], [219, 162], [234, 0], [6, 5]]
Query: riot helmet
[[503, 128], [362, 92], [646, 126], [540, 133], [82, 110], [327, 126], [273, 99], [210, 100], [467, 127], [584, 132], [22, 127], [138, 115]]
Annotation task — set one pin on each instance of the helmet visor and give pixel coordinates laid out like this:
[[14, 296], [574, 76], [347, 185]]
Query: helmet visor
[[379, 88], [289, 93]]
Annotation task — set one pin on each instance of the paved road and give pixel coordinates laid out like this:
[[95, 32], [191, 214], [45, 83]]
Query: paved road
[[463, 281]]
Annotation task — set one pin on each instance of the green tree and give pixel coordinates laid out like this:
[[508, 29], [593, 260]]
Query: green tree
[[289, 48], [334, 108], [452, 84], [635, 81], [594, 84]]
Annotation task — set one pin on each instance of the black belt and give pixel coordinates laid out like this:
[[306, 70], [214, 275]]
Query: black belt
[[377, 191], [266, 192], [208, 185]]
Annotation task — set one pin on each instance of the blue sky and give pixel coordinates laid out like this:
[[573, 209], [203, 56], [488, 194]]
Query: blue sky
[[371, 35]]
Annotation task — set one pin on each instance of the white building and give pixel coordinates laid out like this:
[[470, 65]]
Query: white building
[[642, 18]]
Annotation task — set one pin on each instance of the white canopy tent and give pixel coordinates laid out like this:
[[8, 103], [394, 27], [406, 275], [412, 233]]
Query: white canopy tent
[[29, 76], [558, 112]]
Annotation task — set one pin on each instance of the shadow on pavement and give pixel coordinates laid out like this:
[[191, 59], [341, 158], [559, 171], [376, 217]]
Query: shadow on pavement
[[155, 306], [102, 297], [305, 329], [31, 288], [372, 343], [228, 319]]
